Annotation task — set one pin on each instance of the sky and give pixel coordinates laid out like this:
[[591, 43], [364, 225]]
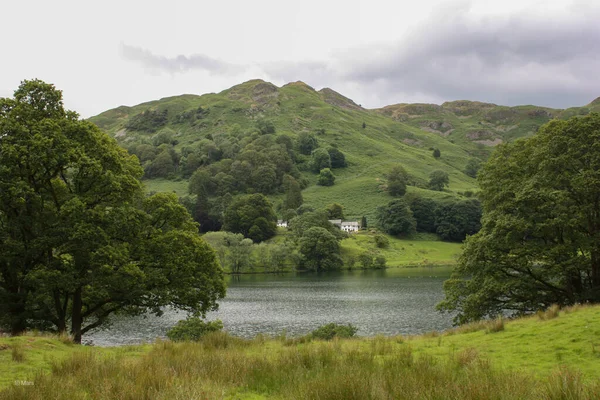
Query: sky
[[108, 53]]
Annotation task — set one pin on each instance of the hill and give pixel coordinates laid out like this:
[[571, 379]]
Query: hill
[[371, 140], [232, 116], [257, 137], [553, 355], [472, 123]]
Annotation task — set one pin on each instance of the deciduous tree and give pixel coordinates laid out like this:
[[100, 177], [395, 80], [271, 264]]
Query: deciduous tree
[[79, 241], [540, 238]]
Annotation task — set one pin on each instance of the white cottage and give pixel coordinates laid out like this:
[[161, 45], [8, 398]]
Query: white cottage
[[282, 224], [350, 226]]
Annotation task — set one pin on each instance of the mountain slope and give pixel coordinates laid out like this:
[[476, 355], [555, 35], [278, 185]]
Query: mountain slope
[[372, 140]]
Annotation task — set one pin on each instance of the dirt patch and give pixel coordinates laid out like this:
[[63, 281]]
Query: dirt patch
[[480, 134], [264, 92], [441, 128], [121, 133]]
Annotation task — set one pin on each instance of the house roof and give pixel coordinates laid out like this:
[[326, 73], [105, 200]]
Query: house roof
[[350, 223]]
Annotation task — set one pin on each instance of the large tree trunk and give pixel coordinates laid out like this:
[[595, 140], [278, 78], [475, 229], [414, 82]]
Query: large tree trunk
[[595, 275], [61, 312], [18, 321], [76, 318]]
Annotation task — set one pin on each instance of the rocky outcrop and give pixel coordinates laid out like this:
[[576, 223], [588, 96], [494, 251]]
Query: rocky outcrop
[[332, 97]]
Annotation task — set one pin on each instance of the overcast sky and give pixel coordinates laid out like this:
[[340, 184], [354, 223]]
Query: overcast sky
[[376, 52]]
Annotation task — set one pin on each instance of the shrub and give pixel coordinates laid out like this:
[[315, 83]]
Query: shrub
[[329, 331], [550, 313], [193, 329], [326, 178], [379, 262], [382, 242], [495, 325]]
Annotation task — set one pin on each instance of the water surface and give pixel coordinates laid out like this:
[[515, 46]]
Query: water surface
[[388, 302]]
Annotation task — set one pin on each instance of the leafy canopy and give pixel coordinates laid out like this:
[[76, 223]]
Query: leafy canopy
[[79, 241], [540, 238]]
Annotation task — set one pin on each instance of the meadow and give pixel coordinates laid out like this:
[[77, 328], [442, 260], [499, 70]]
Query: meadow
[[552, 355]]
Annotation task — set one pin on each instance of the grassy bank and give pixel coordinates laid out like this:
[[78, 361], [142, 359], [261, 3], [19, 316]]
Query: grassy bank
[[551, 356], [421, 249]]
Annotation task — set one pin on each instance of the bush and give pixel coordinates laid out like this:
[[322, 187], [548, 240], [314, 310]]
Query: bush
[[329, 331], [326, 178], [193, 329], [379, 262], [382, 242]]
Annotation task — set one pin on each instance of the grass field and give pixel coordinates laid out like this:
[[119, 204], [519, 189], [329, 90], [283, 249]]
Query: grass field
[[552, 356], [423, 249]]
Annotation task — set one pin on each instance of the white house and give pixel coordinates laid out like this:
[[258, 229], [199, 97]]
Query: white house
[[346, 226], [281, 223], [350, 226]]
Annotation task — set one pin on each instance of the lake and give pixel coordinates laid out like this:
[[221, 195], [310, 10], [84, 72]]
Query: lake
[[388, 302]]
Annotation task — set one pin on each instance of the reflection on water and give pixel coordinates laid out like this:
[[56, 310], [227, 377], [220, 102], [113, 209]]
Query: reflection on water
[[388, 302]]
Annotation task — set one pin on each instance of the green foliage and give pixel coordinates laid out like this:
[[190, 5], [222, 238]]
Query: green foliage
[[252, 216], [381, 241], [310, 219], [265, 127], [306, 143], [148, 121], [335, 211], [396, 218], [192, 329], [438, 180], [338, 159], [165, 136], [538, 244], [424, 211], [320, 159], [79, 240], [326, 178], [457, 220], [161, 167], [363, 222], [379, 262], [437, 153], [397, 179], [365, 260], [333, 330], [473, 166], [320, 250], [293, 195]]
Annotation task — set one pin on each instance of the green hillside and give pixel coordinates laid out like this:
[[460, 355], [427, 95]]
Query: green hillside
[[402, 133], [293, 109], [553, 355], [476, 126]]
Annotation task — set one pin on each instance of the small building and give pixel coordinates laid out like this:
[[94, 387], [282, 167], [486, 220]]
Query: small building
[[336, 222], [346, 226], [350, 226], [282, 224]]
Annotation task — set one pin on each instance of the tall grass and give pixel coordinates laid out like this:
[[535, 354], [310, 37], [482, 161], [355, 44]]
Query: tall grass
[[219, 366]]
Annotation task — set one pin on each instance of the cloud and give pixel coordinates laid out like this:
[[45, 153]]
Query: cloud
[[514, 59], [178, 64], [530, 57]]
